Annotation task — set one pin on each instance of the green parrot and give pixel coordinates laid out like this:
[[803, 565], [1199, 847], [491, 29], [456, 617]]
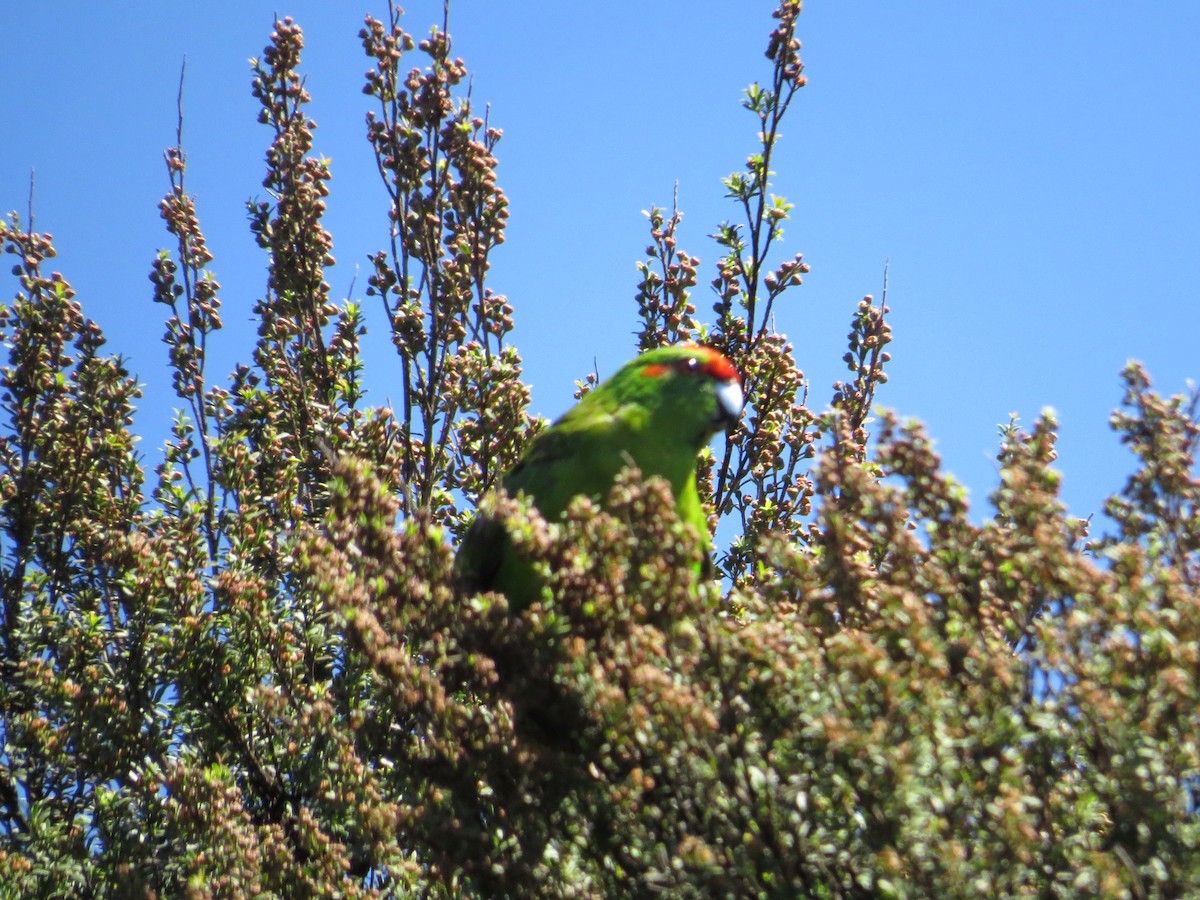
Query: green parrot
[[657, 413]]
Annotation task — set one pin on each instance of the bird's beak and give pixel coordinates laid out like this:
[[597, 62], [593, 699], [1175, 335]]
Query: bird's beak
[[729, 403]]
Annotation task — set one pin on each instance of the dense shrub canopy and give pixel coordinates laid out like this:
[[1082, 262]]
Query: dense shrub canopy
[[250, 672]]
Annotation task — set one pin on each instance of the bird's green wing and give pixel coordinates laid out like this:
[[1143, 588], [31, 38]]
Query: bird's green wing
[[579, 454], [566, 459], [480, 554]]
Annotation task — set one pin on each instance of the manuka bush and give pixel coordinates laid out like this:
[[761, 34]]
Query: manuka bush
[[251, 672]]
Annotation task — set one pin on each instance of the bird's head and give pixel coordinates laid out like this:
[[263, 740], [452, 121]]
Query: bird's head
[[691, 390]]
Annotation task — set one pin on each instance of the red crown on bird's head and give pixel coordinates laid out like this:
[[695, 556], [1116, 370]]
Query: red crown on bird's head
[[704, 361], [717, 364]]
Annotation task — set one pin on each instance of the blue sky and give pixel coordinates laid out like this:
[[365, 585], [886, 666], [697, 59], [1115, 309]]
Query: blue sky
[[1028, 171]]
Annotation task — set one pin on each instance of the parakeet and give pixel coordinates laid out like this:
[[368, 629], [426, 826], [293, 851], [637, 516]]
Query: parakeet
[[656, 413]]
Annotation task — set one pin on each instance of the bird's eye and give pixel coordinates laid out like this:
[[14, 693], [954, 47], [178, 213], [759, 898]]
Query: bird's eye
[[688, 366]]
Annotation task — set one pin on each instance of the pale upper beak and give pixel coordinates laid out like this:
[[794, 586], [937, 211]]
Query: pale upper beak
[[729, 403]]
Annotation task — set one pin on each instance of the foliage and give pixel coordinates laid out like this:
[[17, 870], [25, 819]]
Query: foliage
[[250, 672]]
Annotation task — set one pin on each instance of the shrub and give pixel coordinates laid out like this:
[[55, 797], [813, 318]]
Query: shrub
[[250, 672]]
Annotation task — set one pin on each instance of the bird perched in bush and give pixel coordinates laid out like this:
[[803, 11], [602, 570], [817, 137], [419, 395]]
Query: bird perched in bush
[[656, 413]]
